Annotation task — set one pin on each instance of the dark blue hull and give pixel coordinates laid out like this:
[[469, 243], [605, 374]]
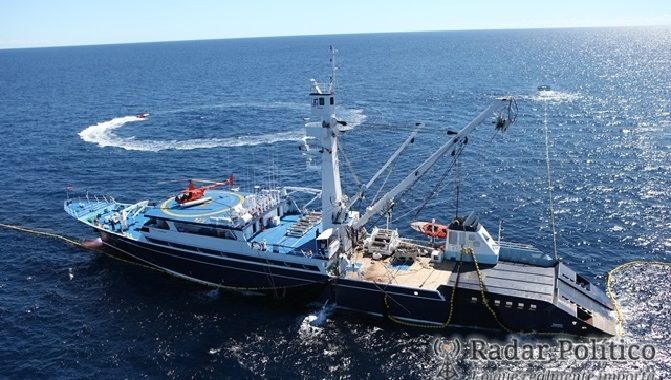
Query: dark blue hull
[[429, 308], [403, 305], [224, 272]]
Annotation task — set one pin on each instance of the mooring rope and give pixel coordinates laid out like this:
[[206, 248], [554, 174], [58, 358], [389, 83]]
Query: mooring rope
[[609, 284], [81, 244], [43, 233]]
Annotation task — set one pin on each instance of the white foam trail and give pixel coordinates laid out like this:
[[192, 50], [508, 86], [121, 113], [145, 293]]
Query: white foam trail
[[353, 117], [313, 325], [103, 135]]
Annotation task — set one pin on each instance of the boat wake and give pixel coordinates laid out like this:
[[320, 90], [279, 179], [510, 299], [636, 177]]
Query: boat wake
[[353, 117], [103, 134], [314, 323]]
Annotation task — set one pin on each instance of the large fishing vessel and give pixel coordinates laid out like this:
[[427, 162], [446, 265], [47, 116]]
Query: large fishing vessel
[[264, 240]]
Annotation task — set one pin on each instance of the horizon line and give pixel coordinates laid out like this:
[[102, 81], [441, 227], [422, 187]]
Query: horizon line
[[336, 34]]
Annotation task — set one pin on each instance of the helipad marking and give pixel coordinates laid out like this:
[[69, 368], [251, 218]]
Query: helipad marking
[[164, 208]]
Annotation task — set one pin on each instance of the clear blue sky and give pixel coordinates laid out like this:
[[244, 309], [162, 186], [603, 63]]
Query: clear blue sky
[[25, 23]]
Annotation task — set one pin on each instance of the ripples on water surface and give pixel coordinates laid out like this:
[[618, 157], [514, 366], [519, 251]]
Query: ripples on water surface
[[236, 106]]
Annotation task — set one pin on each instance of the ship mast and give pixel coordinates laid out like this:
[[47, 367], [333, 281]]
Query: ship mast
[[324, 128]]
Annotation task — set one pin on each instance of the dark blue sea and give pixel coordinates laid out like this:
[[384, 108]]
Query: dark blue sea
[[237, 106]]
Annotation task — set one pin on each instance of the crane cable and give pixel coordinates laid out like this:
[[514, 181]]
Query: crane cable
[[349, 166], [440, 186]]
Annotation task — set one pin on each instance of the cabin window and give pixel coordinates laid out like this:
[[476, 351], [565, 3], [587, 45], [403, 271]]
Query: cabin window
[[583, 313], [453, 238], [226, 234], [221, 233], [321, 101], [532, 307], [497, 303], [314, 102], [474, 299], [183, 227], [509, 304], [520, 305], [331, 100], [162, 224]]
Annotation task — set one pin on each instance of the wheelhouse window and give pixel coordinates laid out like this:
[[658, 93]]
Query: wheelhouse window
[[221, 233], [158, 223], [321, 101]]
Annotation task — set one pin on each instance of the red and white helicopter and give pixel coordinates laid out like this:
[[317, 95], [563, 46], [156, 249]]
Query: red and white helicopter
[[193, 196]]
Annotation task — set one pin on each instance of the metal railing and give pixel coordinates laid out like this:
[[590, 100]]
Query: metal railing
[[506, 244], [288, 250]]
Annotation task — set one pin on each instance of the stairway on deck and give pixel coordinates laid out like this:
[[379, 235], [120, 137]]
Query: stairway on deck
[[303, 224]]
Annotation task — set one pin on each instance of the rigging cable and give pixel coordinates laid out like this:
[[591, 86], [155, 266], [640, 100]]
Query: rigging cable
[[391, 169], [457, 184], [436, 189], [547, 162], [352, 173]]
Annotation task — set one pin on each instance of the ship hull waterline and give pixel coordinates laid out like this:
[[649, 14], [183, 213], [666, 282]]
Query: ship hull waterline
[[405, 306]]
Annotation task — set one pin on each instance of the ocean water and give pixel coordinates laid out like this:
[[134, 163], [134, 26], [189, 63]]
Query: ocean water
[[236, 106]]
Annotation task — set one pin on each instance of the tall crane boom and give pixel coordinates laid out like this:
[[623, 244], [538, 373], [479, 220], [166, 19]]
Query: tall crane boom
[[505, 111]]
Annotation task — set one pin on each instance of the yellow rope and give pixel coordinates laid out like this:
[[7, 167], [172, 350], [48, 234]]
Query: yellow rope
[[611, 295], [485, 302], [454, 292], [422, 325], [481, 282], [115, 257], [43, 233]]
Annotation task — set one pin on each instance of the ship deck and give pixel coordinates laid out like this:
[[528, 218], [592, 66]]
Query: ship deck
[[222, 203], [420, 273], [281, 239], [506, 278]]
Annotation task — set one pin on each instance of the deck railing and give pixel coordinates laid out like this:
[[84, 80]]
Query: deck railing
[[288, 250]]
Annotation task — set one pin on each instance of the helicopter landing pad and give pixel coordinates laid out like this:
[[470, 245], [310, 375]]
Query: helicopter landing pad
[[220, 203]]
